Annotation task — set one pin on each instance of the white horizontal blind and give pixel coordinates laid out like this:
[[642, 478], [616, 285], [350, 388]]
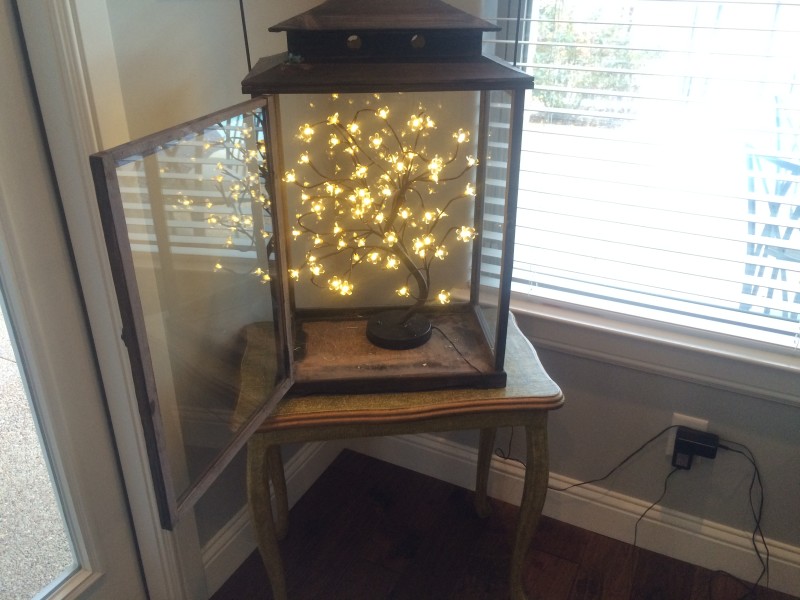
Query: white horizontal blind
[[195, 196], [661, 158]]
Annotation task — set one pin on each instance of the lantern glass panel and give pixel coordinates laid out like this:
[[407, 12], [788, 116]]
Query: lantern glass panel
[[189, 227], [380, 188], [385, 214], [494, 243]]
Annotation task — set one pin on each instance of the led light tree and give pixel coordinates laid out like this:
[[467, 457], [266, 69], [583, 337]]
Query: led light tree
[[375, 194], [239, 180], [222, 178]]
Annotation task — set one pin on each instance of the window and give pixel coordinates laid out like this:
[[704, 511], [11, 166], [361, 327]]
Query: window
[[661, 159]]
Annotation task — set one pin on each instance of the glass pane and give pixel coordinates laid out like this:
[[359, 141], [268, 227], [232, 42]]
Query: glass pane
[[381, 193], [647, 187], [496, 203], [197, 221], [35, 546], [383, 189]]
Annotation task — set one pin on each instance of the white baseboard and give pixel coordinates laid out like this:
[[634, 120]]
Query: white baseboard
[[678, 535], [236, 540], [681, 536]]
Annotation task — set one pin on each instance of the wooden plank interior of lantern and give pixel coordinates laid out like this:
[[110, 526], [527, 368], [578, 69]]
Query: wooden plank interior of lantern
[[333, 355]]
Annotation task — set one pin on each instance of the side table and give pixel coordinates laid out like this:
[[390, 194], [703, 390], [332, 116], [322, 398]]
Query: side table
[[525, 401]]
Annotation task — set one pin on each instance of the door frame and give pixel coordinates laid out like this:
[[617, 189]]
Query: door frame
[[72, 60], [48, 323]]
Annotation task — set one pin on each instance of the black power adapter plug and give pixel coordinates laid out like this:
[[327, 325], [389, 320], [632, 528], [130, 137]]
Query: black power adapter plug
[[690, 442]]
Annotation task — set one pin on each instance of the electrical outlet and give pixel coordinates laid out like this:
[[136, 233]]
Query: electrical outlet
[[686, 421]]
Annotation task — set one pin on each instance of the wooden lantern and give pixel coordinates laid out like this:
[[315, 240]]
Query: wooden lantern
[[395, 153], [362, 205]]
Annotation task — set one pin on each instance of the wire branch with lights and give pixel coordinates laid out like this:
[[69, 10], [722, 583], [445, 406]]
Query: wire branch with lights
[[373, 193], [239, 206]]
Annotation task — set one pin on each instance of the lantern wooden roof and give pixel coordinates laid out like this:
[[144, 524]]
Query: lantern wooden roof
[[348, 15], [382, 46]]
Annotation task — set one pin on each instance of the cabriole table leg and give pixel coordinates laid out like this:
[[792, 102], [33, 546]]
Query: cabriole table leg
[[482, 478], [258, 490], [278, 479], [533, 496]]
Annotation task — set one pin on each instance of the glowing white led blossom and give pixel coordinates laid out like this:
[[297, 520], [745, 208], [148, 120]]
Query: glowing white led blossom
[[377, 194], [233, 192]]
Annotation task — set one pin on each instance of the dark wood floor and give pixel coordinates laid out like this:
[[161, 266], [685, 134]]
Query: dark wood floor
[[370, 530]]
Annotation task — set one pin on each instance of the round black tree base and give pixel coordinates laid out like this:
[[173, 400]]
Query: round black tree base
[[390, 330]]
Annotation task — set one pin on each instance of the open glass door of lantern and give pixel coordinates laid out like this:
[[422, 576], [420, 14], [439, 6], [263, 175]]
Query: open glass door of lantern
[[187, 219]]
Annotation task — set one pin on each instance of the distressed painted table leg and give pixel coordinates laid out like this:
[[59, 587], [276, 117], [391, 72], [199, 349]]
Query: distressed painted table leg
[[258, 490], [482, 478], [278, 479], [533, 495]]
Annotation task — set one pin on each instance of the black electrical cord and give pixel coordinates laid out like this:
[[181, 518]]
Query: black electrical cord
[[507, 455], [756, 509], [649, 508], [244, 32], [453, 344], [517, 34], [619, 465]]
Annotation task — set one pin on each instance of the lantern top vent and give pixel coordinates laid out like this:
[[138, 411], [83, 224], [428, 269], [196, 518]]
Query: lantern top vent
[[372, 46], [383, 14], [356, 30]]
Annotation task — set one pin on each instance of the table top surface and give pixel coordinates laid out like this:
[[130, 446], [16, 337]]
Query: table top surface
[[528, 388]]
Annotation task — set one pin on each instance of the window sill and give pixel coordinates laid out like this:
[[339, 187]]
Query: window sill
[[725, 362]]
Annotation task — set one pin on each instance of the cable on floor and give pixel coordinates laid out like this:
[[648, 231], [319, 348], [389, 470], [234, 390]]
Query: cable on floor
[[758, 538]]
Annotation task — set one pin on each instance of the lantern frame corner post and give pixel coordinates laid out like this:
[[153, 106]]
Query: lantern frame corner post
[[283, 290], [510, 217]]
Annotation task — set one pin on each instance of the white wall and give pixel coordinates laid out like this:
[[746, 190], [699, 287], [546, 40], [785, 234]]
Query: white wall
[[610, 410], [182, 59]]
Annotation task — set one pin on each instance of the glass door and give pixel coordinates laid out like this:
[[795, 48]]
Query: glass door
[[36, 548], [53, 420]]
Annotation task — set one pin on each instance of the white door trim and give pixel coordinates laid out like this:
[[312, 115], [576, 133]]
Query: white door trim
[[73, 63], [45, 309]]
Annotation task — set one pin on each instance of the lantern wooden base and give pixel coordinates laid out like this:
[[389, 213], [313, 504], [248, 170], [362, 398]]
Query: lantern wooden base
[[334, 355]]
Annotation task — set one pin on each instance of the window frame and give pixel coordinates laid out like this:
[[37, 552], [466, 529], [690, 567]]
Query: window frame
[[748, 367], [681, 349]]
